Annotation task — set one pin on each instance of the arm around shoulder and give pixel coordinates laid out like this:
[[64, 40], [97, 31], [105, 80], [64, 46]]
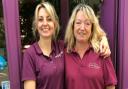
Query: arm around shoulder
[[104, 47]]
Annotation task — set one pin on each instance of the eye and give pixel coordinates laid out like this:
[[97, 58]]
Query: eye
[[87, 23], [40, 19], [78, 22], [49, 19]]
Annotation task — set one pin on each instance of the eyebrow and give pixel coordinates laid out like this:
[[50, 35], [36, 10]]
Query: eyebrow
[[81, 20], [46, 17]]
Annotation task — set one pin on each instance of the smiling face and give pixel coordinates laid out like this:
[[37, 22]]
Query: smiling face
[[82, 27], [45, 24]]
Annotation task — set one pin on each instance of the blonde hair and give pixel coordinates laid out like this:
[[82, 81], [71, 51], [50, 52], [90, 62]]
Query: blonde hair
[[97, 31], [51, 11]]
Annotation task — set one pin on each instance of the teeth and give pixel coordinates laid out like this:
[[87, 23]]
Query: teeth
[[81, 33], [45, 29]]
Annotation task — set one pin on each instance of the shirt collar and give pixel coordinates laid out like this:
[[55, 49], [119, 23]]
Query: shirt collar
[[89, 48], [38, 49]]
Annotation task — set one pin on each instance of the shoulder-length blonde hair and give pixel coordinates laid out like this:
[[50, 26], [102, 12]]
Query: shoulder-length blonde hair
[[51, 11], [97, 31]]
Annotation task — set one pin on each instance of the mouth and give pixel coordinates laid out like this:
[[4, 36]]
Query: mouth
[[82, 33], [44, 29]]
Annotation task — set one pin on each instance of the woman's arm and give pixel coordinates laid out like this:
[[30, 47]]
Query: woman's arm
[[30, 84], [110, 87]]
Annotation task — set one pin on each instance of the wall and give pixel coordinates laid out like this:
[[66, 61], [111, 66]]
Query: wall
[[123, 44], [114, 19]]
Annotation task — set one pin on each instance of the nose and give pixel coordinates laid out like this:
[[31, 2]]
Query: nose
[[45, 22], [82, 26]]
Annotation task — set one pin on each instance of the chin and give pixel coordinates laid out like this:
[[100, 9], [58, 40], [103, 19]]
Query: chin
[[82, 40], [46, 35]]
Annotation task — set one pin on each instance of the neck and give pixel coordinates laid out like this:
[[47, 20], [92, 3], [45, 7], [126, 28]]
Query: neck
[[45, 45], [81, 48]]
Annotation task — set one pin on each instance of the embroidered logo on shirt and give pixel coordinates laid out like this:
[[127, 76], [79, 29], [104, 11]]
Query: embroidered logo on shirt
[[59, 55], [94, 66]]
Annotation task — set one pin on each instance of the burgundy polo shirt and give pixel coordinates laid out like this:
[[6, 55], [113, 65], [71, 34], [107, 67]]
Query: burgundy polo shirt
[[48, 72], [90, 72]]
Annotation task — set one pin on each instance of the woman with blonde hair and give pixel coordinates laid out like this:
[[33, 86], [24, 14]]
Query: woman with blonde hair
[[85, 68], [43, 61]]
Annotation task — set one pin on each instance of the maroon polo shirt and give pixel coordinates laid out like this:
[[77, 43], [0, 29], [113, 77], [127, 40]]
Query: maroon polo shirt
[[90, 72], [48, 72]]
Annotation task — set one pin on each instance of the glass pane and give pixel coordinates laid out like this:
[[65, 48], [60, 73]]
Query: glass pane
[[27, 8], [3, 54]]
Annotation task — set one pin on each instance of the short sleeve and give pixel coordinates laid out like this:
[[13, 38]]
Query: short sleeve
[[28, 68], [109, 72]]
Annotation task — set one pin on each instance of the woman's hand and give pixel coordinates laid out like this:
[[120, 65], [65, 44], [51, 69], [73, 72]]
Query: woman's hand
[[110, 87], [104, 47], [30, 84]]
